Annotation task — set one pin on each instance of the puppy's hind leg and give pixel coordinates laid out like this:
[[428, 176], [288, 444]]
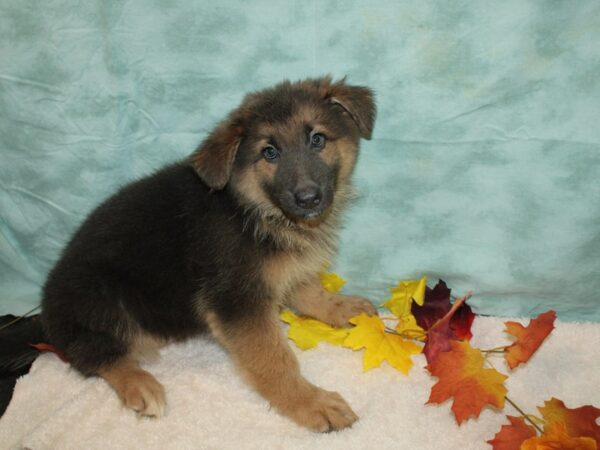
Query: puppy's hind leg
[[137, 388]]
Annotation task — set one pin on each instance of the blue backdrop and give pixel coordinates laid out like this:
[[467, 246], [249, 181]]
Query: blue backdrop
[[484, 169]]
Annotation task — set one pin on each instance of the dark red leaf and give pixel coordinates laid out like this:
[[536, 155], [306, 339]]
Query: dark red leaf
[[440, 333], [435, 306], [461, 322]]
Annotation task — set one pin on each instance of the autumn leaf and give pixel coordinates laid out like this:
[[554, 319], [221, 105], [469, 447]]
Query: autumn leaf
[[436, 305], [528, 338], [439, 334], [369, 333], [510, 437], [307, 333], [403, 295], [462, 376], [332, 282], [461, 323], [407, 327], [578, 422], [557, 437]]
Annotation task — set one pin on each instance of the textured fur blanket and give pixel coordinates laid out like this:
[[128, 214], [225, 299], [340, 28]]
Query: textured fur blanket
[[209, 407]]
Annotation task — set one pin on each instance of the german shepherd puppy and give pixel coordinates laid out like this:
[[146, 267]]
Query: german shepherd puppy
[[219, 243]]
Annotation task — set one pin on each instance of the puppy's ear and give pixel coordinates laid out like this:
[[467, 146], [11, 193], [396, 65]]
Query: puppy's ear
[[213, 159], [358, 102]]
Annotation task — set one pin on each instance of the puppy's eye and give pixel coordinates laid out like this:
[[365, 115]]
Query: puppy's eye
[[270, 153], [317, 141]]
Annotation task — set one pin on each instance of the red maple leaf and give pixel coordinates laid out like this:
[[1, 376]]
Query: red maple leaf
[[436, 305], [440, 333], [510, 437]]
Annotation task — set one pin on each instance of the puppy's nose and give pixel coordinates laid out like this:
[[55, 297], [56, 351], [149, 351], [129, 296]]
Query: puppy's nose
[[308, 197]]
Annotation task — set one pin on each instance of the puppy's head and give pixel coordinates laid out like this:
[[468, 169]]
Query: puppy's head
[[289, 150]]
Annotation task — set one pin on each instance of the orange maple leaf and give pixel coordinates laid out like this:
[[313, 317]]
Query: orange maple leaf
[[510, 437], [461, 375], [557, 437], [578, 422], [528, 338]]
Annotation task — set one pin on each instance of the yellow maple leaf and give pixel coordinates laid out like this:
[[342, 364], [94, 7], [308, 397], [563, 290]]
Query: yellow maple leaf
[[369, 333], [403, 295], [331, 281], [407, 326], [307, 333]]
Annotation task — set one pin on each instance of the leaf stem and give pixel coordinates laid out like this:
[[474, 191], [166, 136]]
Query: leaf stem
[[414, 336], [500, 349], [527, 418]]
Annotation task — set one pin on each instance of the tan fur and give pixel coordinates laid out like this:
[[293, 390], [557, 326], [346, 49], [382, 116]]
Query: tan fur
[[285, 271], [313, 300], [260, 351], [346, 154], [137, 389]]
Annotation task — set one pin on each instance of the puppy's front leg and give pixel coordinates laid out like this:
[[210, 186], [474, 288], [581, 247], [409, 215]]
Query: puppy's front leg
[[259, 348], [335, 309]]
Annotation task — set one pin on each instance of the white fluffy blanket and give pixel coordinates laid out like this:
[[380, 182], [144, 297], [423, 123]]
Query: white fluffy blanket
[[209, 407]]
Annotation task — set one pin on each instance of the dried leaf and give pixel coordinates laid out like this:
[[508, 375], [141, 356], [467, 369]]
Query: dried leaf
[[369, 333], [462, 376], [578, 422], [307, 333], [557, 437], [510, 437], [528, 338]]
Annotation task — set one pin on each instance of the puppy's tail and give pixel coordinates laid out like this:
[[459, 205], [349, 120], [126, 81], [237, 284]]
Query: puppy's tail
[[17, 335]]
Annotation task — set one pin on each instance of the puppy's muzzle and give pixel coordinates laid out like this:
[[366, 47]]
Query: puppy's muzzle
[[308, 197]]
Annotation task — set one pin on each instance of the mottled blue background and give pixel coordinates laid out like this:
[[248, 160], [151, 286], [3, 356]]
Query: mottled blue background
[[484, 169]]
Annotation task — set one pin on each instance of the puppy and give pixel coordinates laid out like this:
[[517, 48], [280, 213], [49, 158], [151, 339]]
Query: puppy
[[219, 243]]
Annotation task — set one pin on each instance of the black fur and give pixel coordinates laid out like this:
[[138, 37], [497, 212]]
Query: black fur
[[140, 259], [163, 251]]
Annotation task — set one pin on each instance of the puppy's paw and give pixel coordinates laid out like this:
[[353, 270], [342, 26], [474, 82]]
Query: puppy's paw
[[323, 411], [144, 394], [344, 307]]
